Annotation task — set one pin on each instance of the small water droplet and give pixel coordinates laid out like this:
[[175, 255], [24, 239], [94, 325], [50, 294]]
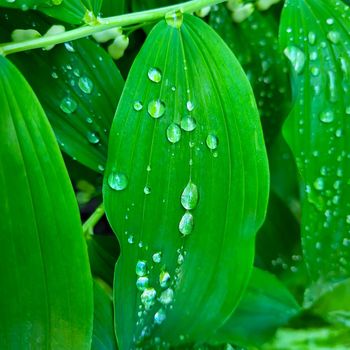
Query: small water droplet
[[146, 190], [131, 239], [167, 296], [311, 38], [68, 105], [327, 116], [157, 257], [148, 297], [188, 123], [189, 197], [155, 75], [164, 279], [93, 137], [54, 75], [138, 106], [142, 283], [85, 85], [69, 46], [296, 58], [319, 184], [173, 133], [347, 110], [117, 181], [212, 141], [333, 37], [174, 19], [190, 106], [141, 268], [156, 109], [186, 224], [159, 316]]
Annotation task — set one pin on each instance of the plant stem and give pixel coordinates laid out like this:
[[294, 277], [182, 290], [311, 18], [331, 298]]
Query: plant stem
[[89, 224], [103, 24]]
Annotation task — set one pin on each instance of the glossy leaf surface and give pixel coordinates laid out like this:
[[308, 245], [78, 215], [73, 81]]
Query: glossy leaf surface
[[266, 305], [46, 285], [315, 37], [186, 135]]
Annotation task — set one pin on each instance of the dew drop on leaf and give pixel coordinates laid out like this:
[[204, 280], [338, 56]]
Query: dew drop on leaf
[[138, 106], [296, 58], [190, 106], [173, 133], [189, 197], [156, 109], [186, 224], [174, 19], [141, 268], [188, 123], [93, 137], [148, 297], [146, 190], [159, 316], [319, 184], [85, 85], [327, 116], [167, 296], [68, 105], [164, 279], [117, 181], [155, 75], [212, 141], [142, 283], [333, 37], [157, 257]]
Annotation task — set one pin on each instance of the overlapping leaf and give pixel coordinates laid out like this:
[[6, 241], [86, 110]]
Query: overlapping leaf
[[266, 305], [186, 187], [46, 285], [255, 43], [315, 38]]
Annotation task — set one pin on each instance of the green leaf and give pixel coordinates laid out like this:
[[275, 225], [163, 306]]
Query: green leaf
[[266, 305], [142, 5], [315, 37], [46, 285], [79, 86], [184, 78], [113, 7], [255, 43], [103, 337]]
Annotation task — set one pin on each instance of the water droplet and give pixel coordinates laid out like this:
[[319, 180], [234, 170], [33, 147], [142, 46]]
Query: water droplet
[[212, 141], [117, 181], [93, 137], [85, 85], [296, 58], [186, 224], [157, 257], [159, 316], [142, 283], [333, 37], [155, 75], [347, 110], [167, 296], [68, 105], [188, 123], [174, 19], [131, 239], [190, 106], [348, 219], [327, 116], [141, 268], [54, 75], [180, 259], [138, 106], [319, 184], [148, 297], [312, 38], [156, 108], [173, 133], [189, 197], [69, 46], [146, 190], [164, 279]]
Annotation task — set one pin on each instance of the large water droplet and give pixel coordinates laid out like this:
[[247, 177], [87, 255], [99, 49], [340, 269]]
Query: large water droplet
[[93, 137], [142, 283], [296, 58], [141, 268], [212, 141], [186, 224], [138, 106], [85, 85], [319, 184], [174, 19], [117, 181], [159, 316], [189, 197], [164, 279], [333, 37], [327, 116], [167, 296], [148, 297], [68, 105], [173, 133], [156, 108], [155, 75], [188, 123]]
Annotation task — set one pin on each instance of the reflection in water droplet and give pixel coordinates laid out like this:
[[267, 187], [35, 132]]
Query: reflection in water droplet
[[117, 181], [155, 75], [174, 19], [141, 268], [296, 58], [164, 279], [156, 108], [138, 106], [85, 85], [68, 105], [159, 316], [188, 123], [212, 141], [142, 283], [186, 224], [173, 133], [93, 137], [189, 197], [327, 116]]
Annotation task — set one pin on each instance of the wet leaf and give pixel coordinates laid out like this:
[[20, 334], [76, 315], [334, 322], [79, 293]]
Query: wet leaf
[[314, 36], [187, 117], [46, 284]]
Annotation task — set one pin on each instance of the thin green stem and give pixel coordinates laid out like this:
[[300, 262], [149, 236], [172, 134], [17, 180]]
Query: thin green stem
[[103, 24], [90, 223]]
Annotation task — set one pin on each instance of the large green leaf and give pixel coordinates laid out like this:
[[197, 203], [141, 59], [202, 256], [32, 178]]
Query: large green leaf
[[142, 5], [186, 184], [46, 285], [315, 38], [255, 43], [266, 305]]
